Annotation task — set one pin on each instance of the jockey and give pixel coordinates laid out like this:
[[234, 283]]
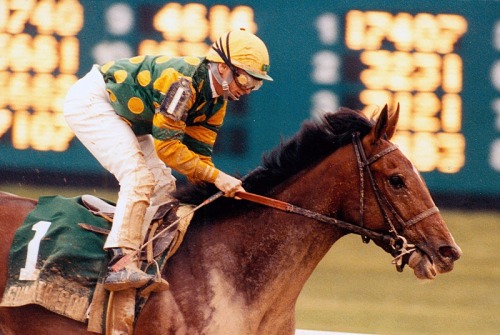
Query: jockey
[[142, 116]]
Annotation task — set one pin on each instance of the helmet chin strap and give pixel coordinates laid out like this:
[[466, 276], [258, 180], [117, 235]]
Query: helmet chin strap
[[224, 82]]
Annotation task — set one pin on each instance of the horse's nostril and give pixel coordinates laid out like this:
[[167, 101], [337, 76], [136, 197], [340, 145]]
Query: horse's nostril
[[450, 252]]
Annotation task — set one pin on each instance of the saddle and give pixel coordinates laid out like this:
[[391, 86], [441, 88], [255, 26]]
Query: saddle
[[156, 219]]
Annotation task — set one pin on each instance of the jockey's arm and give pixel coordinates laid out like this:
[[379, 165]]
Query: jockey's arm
[[169, 135], [169, 143]]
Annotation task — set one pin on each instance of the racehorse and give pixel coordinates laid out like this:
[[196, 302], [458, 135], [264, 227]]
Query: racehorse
[[242, 265]]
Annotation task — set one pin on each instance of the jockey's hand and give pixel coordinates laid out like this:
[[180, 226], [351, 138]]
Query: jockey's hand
[[228, 184]]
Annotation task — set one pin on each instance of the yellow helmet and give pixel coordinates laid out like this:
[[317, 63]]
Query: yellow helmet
[[242, 49]]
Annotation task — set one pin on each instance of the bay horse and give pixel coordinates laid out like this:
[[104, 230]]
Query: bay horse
[[243, 265]]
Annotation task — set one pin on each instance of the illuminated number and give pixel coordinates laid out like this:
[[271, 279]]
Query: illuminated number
[[41, 92], [426, 106], [427, 76], [68, 18], [69, 55], [425, 153], [452, 73], [219, 21], [366, 30], [413, 74], [452, 28], [42, 16], [377, 25], [19, 53], [399, 77], [327, 26], [426, 32], [378, 62], [20, 130], [451, 113], [401, 32], [45, 53], [324, 101], [354, 31], [30, 272], [452, 148], [195, 27], [18, 90], [326, 68], [168, 21]]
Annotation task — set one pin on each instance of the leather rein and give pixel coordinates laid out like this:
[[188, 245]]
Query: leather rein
[[398, 244]]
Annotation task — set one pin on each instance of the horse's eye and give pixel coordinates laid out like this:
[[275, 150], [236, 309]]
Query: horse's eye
[[397, 181]]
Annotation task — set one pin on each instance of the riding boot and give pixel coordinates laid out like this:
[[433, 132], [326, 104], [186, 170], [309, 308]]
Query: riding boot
[[130, 276]]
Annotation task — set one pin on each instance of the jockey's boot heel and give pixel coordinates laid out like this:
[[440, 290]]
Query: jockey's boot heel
[[130, 276]]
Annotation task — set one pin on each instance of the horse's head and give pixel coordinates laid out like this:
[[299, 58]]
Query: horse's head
[[395, 200]]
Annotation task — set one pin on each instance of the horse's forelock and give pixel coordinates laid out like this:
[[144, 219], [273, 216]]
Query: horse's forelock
[[315, 140]]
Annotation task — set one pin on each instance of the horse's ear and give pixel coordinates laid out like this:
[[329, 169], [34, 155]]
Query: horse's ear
[[380, 128], [393, 121]]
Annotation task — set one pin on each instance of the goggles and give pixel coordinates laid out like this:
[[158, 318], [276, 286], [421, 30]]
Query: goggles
[[246, 81]]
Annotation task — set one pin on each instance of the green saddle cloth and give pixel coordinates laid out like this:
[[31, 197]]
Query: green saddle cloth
[[53, 262]]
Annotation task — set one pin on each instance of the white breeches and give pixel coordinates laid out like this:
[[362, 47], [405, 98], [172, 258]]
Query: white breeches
[[143, 177]]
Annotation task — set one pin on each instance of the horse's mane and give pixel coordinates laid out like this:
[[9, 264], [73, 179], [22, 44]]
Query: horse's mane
[[315, 140]]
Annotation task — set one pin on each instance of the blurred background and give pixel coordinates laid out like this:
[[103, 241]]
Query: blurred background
[[440, 60]]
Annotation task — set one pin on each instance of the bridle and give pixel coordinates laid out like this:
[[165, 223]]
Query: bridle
[[399, 246]]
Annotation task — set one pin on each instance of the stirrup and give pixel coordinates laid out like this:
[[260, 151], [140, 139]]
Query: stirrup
[[158, 284]]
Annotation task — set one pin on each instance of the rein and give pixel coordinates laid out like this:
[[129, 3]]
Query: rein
[[287, 207]]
